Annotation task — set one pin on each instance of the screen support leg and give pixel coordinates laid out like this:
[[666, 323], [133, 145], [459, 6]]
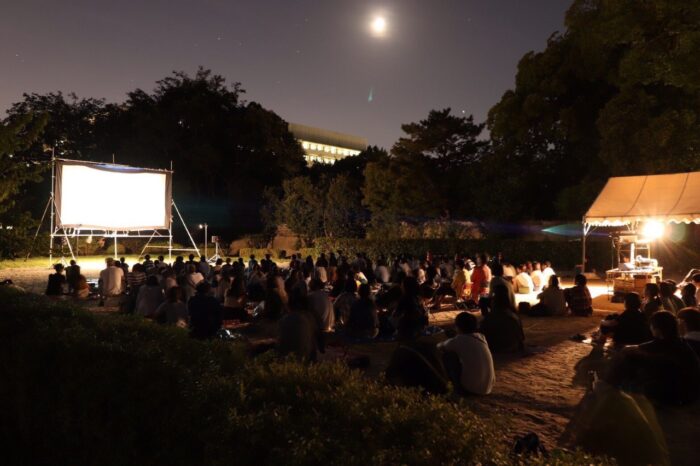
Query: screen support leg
[[194, 245]]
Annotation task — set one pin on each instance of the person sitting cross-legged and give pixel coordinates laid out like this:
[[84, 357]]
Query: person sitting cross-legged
[[579, 298], [552, 300], [467, 358]]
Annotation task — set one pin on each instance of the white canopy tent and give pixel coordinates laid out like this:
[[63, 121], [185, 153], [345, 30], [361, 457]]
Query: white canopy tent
[[628, 200]]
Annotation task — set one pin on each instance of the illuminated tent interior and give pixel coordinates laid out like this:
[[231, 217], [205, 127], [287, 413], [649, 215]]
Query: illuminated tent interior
[[661, 198]]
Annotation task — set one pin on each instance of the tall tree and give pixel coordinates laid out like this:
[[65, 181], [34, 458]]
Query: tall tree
[[616, 94], [302, 208], [344, 216]]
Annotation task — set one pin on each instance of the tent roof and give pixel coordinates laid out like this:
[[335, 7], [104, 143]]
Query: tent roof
[[665, 198]]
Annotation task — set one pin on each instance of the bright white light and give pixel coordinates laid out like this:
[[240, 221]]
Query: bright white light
[[653, 229], [104, 199], [379, 26]]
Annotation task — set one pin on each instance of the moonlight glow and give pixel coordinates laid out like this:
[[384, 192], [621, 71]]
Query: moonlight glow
[[378, 26]]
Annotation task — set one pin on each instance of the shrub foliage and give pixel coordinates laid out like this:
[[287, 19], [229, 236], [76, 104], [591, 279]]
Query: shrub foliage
[[87, 389]]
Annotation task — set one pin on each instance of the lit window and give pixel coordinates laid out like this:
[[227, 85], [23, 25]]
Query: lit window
[[305, 145], [313, 146], [332, 150]]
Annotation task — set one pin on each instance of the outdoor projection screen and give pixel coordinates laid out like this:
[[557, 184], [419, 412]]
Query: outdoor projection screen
[[91, 196]]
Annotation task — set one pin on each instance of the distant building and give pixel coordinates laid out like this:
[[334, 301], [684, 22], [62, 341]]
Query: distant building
[[323, 146]]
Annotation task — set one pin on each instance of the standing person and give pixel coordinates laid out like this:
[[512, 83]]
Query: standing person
[[72, 275], [111, 280], [474, 373], [203, 266], [148, 263], [57, 282], [204, 312]]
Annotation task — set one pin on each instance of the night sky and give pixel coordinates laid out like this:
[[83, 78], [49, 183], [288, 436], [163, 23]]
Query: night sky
[[313, 62]]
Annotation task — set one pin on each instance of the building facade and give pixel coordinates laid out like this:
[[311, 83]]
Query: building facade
[[324, 146]]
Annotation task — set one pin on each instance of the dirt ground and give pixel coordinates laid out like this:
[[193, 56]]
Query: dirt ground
[[534, 392]]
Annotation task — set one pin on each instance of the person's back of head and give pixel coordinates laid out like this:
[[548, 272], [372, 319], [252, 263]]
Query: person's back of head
[[651, 290], [152, 281], [202, 259], [664, 325], [632, 301], [72, 262], [58, 268], [580, 280], [174, 294], [179, 259], [554, 282], [688, 291], [203, 287], [460, 264], [364, 292], [109, 261], [191, 257], [666, 289], [536, 266], [689, 317], [466, 323], [696, 279]]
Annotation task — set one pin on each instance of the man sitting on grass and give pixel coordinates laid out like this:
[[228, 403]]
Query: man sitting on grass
[[57, 282], [579, 297], [467, 358]]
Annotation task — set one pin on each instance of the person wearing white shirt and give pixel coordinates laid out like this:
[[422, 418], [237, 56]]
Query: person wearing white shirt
[[475, 373], [111, 279], [192, 279], [536, 276], [320, 305], [523, 282], [546, 273]]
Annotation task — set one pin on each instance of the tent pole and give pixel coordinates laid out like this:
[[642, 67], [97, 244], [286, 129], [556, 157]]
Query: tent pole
[[53, 183], [583, 247]]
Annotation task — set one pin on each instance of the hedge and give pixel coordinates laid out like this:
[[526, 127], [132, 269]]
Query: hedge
[[81, 389]]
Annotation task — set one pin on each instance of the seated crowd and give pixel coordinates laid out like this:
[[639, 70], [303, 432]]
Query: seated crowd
[[360, 300]]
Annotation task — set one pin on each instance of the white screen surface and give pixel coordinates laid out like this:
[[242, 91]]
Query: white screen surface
[[111, 198]]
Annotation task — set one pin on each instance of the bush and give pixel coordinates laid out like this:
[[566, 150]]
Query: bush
[[113, 390]]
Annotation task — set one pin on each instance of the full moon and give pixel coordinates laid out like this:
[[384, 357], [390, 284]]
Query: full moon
[[379, 26]]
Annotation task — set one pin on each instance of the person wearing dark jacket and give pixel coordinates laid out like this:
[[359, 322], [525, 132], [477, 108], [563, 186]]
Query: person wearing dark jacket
[[300, 332], [205, 313], [666, 370], [56, 282], [689, 325], [632, 327], [363, 321], [502, 326]]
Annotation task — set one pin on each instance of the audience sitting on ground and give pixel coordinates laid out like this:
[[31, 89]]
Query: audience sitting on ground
[[460, 281], [276, 299], [689, 327], [343, 303], [523, 281], [204, 312], [688, 295], [320, 305], [150, 297], [416, 363], [57, 282], [631, 327], [498, 280], [173, 311], [81, 288], [547, 271], [578, 297], [536, 276], [666, 370], [651, 303], [410, 316], [552, 300], [472, 371], [111, 282], [480, 277], [363, 321], [669, 301], [502, 326], [72, 274], [299, 332]]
